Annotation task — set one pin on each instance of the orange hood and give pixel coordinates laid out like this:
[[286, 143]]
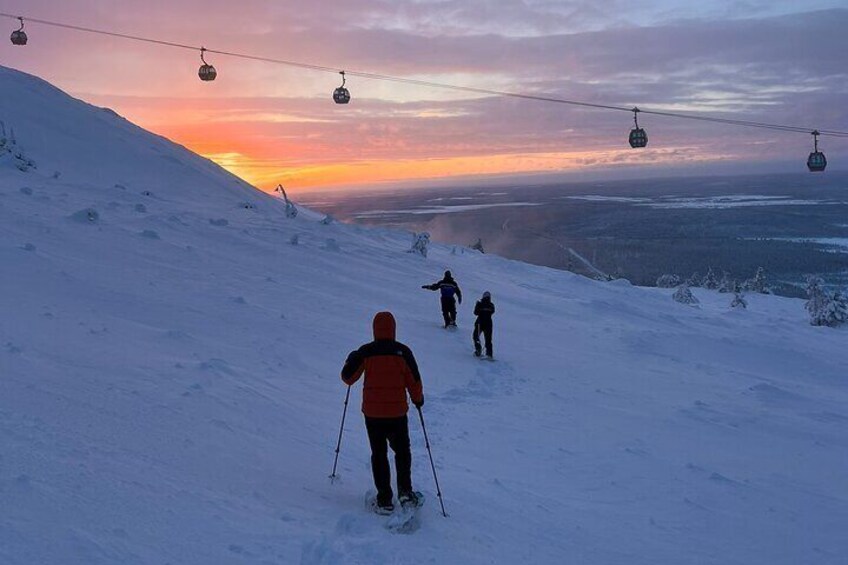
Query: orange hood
[[384, 326]]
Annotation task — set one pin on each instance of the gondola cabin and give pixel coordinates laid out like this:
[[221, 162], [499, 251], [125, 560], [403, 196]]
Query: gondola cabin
[[19, 36], [816, 162], [206, 72], [638, 136], [341, 95]]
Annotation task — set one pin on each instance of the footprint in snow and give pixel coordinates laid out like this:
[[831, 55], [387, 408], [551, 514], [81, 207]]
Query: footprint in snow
[[86, 216], [320, 552]]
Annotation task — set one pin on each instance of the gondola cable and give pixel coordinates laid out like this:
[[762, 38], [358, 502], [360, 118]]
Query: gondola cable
[[341, 95]]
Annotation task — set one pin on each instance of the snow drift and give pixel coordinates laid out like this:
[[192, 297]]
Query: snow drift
[[170, 347]]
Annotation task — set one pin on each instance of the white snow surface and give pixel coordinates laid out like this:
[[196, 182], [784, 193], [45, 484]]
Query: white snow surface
[[170, 392]]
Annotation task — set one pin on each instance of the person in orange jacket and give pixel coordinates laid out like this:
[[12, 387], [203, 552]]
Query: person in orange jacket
[[390, 373]]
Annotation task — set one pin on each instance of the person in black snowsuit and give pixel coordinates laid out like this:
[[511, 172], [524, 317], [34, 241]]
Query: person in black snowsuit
[[450, 293], [484, 309]]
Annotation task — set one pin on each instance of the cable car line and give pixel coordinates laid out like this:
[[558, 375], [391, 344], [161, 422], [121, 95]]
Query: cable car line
[[425, 83], [341, 95]]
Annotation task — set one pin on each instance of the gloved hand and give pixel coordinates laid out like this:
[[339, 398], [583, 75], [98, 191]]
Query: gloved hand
[[419, 404]]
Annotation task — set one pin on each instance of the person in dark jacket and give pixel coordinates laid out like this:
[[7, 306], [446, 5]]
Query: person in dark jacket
[[484, 310], [390, 373], [450, 293]]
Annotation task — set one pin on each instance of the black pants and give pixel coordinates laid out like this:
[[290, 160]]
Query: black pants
[[486, 329], [449, 310], [395, 431]]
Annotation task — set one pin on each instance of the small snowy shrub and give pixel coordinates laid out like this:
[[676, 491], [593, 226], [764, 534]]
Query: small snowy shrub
[[710, 281], [478, 246], [291, 209], [668, 281], [825, 308], [684, 296], [739, 300], [420, 241], [328, 219], [9, 149]]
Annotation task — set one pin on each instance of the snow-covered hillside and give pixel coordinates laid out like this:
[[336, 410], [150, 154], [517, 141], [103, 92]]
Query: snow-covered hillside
[[170, 392]]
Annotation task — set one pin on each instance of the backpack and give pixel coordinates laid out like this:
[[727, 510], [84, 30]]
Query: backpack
[[448, 290]]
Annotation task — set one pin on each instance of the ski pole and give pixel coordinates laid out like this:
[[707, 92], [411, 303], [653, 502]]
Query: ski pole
[[341, 429], [432, 465]]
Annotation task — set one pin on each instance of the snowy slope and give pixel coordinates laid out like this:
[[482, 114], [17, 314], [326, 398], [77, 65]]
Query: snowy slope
[[169, 387]]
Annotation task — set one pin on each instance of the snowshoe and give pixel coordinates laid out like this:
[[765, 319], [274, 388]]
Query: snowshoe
[[411, 499], [372, 504], [405, 520], [383, 509]]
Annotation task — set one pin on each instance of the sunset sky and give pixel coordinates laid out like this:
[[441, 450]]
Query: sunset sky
[[775, 61]]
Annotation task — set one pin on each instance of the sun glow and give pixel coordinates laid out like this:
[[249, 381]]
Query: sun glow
[[266, 175]]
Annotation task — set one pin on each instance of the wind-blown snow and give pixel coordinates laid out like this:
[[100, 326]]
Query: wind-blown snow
[[169, 388]]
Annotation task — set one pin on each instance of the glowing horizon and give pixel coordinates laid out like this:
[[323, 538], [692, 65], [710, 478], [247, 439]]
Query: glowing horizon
[[270, 124]]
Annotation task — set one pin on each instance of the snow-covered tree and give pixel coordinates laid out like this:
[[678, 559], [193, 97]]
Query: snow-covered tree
[[758, 284], [479, 245], [694, 280], [668, 281], [710, 281], [825, 308], [684, 296], [420, 241], [738, 300], [726, 284]]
